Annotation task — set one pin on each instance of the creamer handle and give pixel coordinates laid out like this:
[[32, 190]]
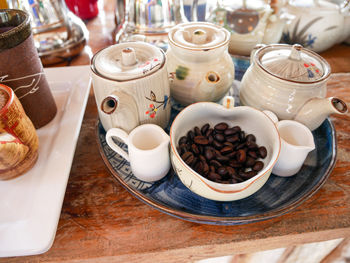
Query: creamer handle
[[119, 133]]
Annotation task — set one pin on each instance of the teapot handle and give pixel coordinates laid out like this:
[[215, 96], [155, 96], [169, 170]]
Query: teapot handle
[[254, 50]]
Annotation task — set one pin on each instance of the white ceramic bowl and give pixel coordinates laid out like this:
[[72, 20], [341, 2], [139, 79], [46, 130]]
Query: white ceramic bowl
[[251, 121]]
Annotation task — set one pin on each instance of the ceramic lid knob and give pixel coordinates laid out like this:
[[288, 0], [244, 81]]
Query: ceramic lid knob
[[295, 52], [128, 56], [199, 36]]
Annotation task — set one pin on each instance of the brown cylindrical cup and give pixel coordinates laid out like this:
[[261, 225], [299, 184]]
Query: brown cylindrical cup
[[21, 68], [18, 139]]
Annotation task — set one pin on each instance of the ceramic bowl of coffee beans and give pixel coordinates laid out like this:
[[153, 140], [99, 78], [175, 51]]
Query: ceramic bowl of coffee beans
[[223, 154]]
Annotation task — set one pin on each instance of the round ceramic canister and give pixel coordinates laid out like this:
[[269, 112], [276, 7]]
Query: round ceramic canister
[[131, 85], [21, 68]]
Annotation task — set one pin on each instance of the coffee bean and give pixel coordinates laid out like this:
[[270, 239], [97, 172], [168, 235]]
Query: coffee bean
[[241, 135], [197, 131], [258, 166], [221, 126], [235, 164], [217, 144], [205, 168], [214, 176], [219, 137], [226, 150], [227, 144], [230, 131], [209, 154], [222, 171], [199, 167], [232, 138], [215, 163], [231, 155], [251, 145], [188, 157], [210, 139], [194, 162], [190, 136], [183, 140], [250, 174], [209, 132], [253, 154], [231, 172], [205, 128], [195, 149], [201, 140], [250, 137], [211, 169], [241, 146], [241, 156], [262, 152], [250, 161], [202, 158], [222, 158]]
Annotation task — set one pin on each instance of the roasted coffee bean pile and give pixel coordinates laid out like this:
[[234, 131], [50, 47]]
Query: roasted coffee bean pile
[[222, 154]]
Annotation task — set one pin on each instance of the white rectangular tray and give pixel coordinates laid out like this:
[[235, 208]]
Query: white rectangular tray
[[30, 205]]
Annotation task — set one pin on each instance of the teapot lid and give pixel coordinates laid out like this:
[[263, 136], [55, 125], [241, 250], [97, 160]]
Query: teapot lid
[[126, 61], [198, 36], [293, 63]]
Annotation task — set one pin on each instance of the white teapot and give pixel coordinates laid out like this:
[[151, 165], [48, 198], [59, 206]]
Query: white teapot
[[317, 24], [290, 81]]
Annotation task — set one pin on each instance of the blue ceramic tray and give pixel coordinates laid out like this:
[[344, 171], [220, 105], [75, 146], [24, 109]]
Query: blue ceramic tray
[[278, 196]]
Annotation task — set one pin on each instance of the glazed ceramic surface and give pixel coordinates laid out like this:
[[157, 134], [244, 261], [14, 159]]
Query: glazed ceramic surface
[[199, 63], [283, 78], [317, 24], [131, 86], [251, 121], [278, 196]]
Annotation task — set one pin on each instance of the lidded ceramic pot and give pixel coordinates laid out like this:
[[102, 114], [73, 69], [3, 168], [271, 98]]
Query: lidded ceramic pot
[[131, 85], [199, 63], [291, 82]]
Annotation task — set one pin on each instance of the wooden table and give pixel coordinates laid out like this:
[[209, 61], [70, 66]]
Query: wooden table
[[101, 222]]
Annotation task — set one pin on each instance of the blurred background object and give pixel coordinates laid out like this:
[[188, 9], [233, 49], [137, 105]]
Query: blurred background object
[[58, 34], [149, 21], [85, 9], [317, 24], [250, 22]]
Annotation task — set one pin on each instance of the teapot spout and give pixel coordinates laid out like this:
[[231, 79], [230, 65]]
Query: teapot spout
[[316, 110]]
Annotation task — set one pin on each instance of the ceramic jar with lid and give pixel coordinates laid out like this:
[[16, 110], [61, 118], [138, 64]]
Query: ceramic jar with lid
[[199, 63], [131, 85], [290, 81]]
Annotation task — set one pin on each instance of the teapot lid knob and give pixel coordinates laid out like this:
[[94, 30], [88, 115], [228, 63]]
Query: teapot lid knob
[[295, 52], [128, 56], [199, 36]]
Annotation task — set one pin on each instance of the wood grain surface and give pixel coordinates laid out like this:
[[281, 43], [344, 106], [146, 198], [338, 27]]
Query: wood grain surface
[[101, 222]]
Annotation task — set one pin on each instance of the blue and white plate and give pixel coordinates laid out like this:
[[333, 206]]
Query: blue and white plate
[[278, 196]]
